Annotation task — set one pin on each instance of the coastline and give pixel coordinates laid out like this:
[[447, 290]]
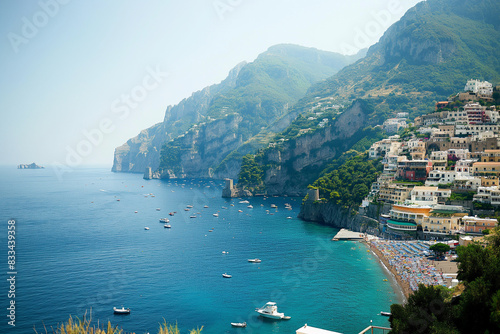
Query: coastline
[[403, 287]]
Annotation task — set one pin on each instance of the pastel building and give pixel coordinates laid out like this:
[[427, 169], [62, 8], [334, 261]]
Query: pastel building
[[478, 225]]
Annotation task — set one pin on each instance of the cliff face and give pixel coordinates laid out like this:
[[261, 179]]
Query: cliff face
[[144, 150], [259, 92], [206, 145], [333, 215], [291, 166]]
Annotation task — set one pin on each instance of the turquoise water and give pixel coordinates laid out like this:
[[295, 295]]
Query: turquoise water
[[78, 248]]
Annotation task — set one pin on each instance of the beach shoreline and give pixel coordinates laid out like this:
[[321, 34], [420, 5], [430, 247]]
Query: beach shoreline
[[403, 287]]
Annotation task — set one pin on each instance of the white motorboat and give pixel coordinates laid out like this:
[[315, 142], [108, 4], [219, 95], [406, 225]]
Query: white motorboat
[[255, 260], [273, 206], [189, 206], [158, 209], [270, 310], [167, 226], [192, 216], [250, 206], [226, 275], [387, 314], [121, 310], [216, 215], [146, 228], [164, 220], [244, 202], [239, 324]]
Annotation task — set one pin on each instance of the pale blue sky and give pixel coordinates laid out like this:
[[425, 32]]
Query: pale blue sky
[[66, 65]]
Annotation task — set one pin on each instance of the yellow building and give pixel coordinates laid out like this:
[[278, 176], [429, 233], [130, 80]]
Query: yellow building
[[486, 169], [445, 220], [410, 213], [490, 156], [394, 193]]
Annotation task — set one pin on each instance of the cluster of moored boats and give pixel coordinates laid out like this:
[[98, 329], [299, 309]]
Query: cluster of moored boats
[[269, 310]]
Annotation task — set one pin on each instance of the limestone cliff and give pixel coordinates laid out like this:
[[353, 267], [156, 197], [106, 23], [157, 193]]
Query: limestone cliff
[[144, 150], [334, 215], [296, 164], [259, 92]]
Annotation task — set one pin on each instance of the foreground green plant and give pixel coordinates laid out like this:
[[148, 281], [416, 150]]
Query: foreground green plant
[[84, 327]]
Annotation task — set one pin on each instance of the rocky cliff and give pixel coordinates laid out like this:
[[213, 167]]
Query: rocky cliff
[[144, 150], [334, 215], [297, 163], [260, 92]]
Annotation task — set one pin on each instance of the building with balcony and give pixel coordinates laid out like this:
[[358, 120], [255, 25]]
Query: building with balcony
[[413, 170], [478, 225], [394, 192], [428, 195], [444, 220], [486, 169], [479, 87]]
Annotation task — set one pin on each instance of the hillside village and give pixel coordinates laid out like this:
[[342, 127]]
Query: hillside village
[[441, 173]]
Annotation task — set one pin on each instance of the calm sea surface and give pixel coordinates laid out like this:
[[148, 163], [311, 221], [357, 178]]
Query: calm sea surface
[[80, 246]]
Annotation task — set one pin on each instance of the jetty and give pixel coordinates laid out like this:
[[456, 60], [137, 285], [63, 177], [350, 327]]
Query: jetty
[[345, 234]]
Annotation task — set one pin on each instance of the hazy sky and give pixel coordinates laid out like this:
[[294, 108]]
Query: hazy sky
[[84, 76]]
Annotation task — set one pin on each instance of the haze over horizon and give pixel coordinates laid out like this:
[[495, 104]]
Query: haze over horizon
[[70, 67]]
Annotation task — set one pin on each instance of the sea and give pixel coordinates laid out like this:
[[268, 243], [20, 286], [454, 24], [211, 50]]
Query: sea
[[81, 247]]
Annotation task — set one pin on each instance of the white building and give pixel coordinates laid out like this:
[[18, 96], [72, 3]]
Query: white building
[[392, 125], [439, 155], [465, 165], [489, 195], [427, 195], [479, 87], [466, 182], [440, 177]]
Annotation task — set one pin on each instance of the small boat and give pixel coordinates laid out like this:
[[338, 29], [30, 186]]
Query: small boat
[[387, 314], [189, 206], [225, 275], [270, 310], [216, 215], [288, 217], [171, 213], [146, 228], [164, 220], [167, 226], [250, 206], [273, 206], [186, 209], [121, 310], [206, 206], [239, 324], [240, 210], [255, 260], [158, 209], [135, 211], [192, 216], [244, 202]]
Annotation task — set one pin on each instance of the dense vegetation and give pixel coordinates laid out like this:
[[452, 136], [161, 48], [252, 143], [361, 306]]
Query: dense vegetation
[[425, 57], [473, 307], [262, 93], [350, 182], [251, 173]]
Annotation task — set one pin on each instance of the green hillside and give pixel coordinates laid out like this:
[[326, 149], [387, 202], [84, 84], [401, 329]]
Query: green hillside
[[426, 56]]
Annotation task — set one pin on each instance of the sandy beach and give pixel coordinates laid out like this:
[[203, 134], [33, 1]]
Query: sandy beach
[[406, 262]]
